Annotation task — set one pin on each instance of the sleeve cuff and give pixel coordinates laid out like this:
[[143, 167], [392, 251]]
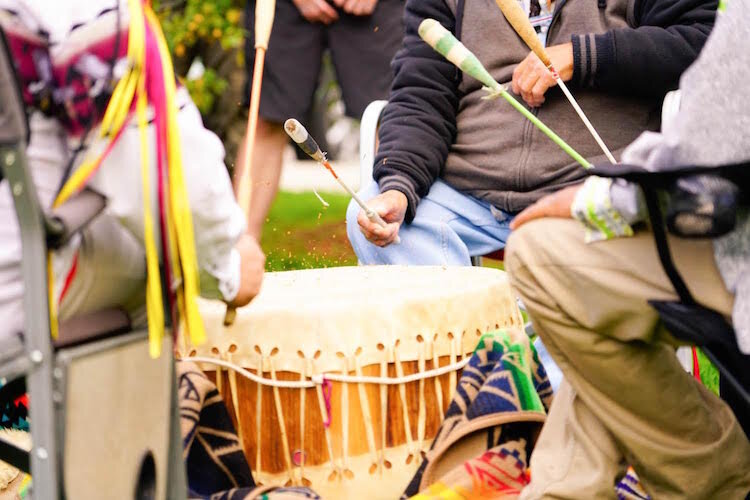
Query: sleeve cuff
[[401, 184], [593, 207], [591, 53], [627, 199], [222, 281], [230, 285]]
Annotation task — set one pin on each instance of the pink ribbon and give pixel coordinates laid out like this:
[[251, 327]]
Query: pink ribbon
[[327, 388]]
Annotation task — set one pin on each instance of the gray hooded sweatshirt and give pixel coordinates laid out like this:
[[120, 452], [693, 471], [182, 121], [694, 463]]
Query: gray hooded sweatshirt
[[712, 128]]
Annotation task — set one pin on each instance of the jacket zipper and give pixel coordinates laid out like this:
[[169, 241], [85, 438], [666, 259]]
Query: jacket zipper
[[526, 152], [527, 130]]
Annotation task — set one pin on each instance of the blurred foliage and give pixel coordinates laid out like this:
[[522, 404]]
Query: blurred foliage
[[190, 24], [206, 89], [187, 22]]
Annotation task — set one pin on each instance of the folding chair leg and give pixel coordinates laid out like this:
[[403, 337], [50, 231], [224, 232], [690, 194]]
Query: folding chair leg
[[44, 455]]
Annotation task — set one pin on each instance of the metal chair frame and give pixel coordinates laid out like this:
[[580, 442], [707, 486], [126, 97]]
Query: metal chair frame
[[44, 367]]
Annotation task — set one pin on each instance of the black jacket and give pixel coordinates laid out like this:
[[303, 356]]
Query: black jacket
[[418, 126]]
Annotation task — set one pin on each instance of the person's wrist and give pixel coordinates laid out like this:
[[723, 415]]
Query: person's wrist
[[252, 261], [399, 197], [402, 184], [565, 68]]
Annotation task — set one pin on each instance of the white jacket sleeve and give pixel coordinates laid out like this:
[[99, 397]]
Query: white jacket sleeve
[[217, 219]]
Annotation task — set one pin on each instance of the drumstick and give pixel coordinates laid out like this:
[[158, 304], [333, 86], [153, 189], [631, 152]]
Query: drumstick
[[443, 41], [520, 22], [305, 141], [264, 11]]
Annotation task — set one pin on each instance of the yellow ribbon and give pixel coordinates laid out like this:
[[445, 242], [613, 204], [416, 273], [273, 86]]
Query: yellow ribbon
[[183, 261], [180, 208]]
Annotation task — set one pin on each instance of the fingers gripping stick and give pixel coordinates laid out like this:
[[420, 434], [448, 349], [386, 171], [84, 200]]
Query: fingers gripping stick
[[304, 140], [517, 18]]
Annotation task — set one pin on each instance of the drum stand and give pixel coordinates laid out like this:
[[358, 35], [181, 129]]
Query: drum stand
[[104, 415]]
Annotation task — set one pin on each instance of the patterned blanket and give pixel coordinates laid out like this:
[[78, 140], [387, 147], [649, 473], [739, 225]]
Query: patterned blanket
[[482, 447], [216, 465]]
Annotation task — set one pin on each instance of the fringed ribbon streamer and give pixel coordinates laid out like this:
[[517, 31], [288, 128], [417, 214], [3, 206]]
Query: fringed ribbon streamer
[[150, 80]]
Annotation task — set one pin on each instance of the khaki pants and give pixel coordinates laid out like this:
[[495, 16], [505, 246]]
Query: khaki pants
[[626, 399]]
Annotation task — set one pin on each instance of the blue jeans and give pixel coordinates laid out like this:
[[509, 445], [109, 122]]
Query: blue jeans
[[448, 229]]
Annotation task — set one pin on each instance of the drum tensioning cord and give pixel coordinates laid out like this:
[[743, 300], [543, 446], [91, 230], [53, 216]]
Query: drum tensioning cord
[[322, 378]]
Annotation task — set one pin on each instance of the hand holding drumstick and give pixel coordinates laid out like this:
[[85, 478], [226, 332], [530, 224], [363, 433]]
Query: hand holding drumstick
[[252, 264], [384, 231], [391, 206]]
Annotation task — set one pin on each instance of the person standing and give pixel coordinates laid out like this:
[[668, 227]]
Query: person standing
[[362, 36]]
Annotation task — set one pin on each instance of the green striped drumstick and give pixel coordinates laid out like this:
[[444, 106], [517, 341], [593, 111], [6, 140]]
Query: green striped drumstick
[[443, 41]]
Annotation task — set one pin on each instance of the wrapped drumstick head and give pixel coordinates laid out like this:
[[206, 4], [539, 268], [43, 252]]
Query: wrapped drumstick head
[[299, 134]]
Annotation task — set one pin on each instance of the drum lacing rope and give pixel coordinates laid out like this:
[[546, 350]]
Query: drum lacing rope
[[438, 385], [300, 461], [344, 425], [258, 419], [421, 418], [382, 461], [404, 404], [324, 403], [319, 379], [282, 424], [364, 402]]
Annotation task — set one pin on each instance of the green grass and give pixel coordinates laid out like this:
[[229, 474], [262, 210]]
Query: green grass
[[301, 234]]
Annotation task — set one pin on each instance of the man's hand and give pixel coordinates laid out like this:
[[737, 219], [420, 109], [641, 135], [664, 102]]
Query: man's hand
[[391, 206], [553, 205], [252, 263], [531, 78], [316, 11], [357, 7]]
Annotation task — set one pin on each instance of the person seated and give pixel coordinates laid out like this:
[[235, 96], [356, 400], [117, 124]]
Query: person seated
[[69, 56], [453, 169], [625, 397]]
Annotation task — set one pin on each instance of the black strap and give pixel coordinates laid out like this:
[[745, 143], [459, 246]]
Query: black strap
[[602, 4], [662, 246], [15, 456]]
